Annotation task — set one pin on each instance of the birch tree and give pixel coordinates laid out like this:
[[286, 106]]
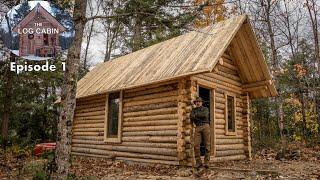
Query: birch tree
[[68, 94]]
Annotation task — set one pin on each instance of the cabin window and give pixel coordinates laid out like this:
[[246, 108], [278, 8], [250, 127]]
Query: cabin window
[[230, 114], [113, 117]]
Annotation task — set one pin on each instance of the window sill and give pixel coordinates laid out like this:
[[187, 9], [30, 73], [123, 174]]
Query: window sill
[[231, 133], [112, 140]]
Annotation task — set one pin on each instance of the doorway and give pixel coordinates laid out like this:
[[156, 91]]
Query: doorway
[[206, 94]]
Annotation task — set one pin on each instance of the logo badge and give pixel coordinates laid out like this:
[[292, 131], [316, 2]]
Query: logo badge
[[37, 30]]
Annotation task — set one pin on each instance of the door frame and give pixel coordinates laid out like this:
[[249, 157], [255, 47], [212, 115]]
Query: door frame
[[212, 116]]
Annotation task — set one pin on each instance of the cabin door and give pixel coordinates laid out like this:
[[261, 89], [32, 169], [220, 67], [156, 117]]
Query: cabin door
[[207, 96]]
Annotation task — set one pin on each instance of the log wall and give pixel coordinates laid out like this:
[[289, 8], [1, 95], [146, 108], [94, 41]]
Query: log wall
[[149, 125], [226, 79]]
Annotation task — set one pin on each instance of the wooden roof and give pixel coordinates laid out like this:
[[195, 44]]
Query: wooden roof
[[32, 14], [192, 53]]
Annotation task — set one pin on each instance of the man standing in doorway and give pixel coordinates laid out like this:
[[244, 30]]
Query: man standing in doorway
[[200, 117]]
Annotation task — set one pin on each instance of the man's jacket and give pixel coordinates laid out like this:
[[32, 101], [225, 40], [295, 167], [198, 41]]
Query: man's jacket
[[200, 115]]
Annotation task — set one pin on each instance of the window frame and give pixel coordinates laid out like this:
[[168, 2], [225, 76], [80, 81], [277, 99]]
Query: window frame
[[227, 132], [118, 138]]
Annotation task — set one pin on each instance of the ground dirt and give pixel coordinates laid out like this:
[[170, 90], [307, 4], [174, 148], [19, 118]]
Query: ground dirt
[[262, 166]]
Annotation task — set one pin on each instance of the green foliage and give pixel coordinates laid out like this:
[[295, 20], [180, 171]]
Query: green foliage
[[34, 115], [264, 125], [297, 88]]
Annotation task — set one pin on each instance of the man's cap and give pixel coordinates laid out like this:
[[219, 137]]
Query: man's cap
[[198, 99]]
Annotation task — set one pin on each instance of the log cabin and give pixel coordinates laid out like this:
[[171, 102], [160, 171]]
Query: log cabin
[[39, 33], [136, 107]]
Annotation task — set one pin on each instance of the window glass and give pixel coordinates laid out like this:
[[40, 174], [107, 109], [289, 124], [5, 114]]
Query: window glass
[[113, 114], [231, 114]]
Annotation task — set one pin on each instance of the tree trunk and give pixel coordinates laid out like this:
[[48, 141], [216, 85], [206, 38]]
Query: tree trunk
[[276, 68], [7, 101], [137, 38], [85, 61], [113, 32], [68, 95]]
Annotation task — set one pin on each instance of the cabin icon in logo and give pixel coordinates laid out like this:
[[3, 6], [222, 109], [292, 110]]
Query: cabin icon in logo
[[39, 33]]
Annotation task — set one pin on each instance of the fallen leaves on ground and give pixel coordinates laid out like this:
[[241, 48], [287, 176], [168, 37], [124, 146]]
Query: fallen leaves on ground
[[262, 166]]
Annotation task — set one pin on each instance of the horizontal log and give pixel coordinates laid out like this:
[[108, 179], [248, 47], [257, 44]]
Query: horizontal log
[[220, 106], [169, 85], [87, 134], [96, 113], [152, 96], [76, 130], [220, 111], [227, 70], [223, 100], [223, 79], [150, 128], [93, 125], [223, 136], [229, 153], [228, 141], [87, 106], [220, 121], [229, 158], [76, 122], [160, 151], [90, 155], [150, 144], [219, 126], [91, 138], [126, 159], [151, 133], [149, 123], [99, 140], [149, 107], [80, 141], [219, 116], [231, 76], [154, 117], [91, 98], [230, 66], [149, 161], [151, 101], [229, 147], [204, 82], [166, 139], [93, 101], [94, 109], [235, 86], [120, 154], [220, 131], [98, 117], [170, 110]]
